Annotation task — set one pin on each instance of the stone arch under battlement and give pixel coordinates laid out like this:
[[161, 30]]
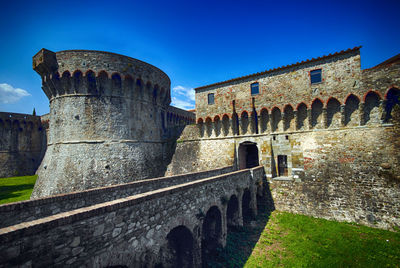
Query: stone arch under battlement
[[98, 73], [105, 84], [353, 111]]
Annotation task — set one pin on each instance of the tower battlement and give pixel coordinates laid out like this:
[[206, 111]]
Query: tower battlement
[[96, 73], [108, 120]]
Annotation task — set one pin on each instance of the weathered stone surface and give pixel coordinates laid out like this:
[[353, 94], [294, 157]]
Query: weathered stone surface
[[19, 212], [67, 238], [339, 138], [328, 150], [22, 144], [110, 120]]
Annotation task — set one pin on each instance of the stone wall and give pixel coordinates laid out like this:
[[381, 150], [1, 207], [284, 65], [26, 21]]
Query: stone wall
[[18, 212], [329, 150], [191, 155], [110, 121], [279, 87], [348, 174], [22, 144], [135, 230]]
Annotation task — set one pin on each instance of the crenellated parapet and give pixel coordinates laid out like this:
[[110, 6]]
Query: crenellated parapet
[[286, 99], [107, 123], [97, 73], [176, 116], [371, 109]]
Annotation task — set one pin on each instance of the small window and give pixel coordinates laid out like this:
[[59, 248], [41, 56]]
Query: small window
[[211, 98], [254, 89], [282, 165], [315, 76]]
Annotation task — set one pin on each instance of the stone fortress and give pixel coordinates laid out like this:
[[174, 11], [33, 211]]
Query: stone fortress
[[319, 137]]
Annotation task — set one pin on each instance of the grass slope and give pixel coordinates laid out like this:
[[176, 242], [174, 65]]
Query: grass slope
[[281, 239], [300, 241], [16, 188], [288, 240]]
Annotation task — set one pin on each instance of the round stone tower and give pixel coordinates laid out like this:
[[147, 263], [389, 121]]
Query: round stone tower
[[107, 119]]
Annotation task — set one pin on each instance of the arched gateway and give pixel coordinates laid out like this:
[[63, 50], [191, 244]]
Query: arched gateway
[[248, 155]]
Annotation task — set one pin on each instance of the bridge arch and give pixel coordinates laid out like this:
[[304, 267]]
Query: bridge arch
[[211, 234], [247, 211], [180, 249], [232, 212]]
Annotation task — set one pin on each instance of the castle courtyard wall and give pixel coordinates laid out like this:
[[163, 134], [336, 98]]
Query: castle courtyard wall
[[329, 149], [341, 74], [22, 144], [346, 175]]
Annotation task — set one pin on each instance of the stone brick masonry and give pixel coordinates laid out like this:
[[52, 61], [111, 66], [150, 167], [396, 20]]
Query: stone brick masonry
[[110, 120], [133, 230], [339, 138], [329, 149], [22, 144]]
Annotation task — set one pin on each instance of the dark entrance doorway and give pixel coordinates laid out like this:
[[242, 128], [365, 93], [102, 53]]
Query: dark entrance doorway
[[248, 155], [282, 165]]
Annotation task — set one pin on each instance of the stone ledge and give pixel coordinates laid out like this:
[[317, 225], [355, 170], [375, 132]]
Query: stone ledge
[[288, 178]]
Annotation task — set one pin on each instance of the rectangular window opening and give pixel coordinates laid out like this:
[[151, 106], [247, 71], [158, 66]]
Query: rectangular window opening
[[316, 76], [282, 166], [211, 98], [254, 89]]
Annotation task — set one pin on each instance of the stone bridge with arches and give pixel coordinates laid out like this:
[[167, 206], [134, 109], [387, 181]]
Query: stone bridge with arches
[[176, 221]]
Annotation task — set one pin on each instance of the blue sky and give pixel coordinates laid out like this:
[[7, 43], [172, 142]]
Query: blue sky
[[194, 42]]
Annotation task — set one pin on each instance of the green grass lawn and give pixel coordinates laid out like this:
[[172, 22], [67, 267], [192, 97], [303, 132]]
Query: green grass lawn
[[16, 188], [281, 239], [299, 241], [288, 240]]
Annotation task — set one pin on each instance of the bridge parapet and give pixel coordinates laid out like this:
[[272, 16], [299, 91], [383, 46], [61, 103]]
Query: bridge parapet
[[30, 210], [132, 231]]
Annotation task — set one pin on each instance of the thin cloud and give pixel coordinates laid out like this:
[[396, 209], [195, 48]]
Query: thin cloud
[[183, 97], [181, 104], [9, 94], [184, 91]]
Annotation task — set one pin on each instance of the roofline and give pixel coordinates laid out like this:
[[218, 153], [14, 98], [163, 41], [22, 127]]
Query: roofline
[[387, 62], [282, 67]]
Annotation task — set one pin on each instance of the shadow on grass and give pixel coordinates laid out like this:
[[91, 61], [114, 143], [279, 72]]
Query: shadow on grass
[[15, 191], [241, 240]]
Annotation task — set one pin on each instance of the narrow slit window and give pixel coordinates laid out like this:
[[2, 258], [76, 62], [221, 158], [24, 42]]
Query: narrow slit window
[[254, 89], [211, 98], [316, 76]]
